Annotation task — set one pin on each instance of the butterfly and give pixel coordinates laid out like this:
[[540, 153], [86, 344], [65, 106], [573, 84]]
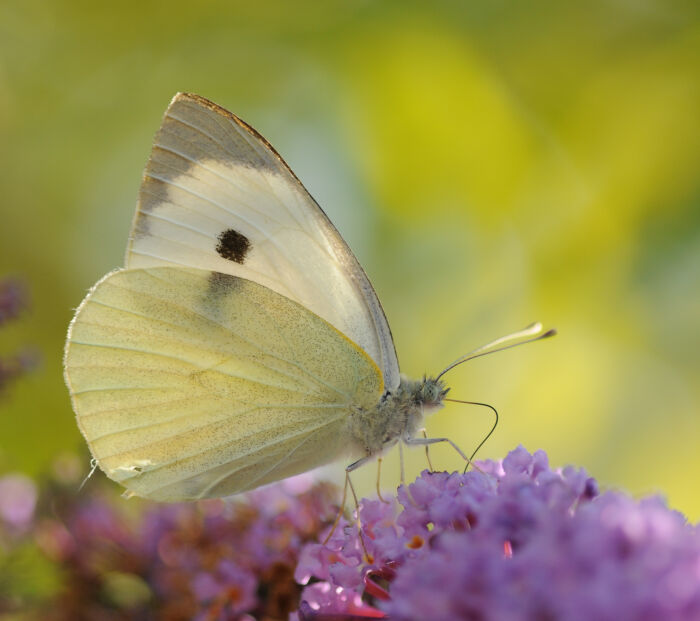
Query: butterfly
[[242, 342]]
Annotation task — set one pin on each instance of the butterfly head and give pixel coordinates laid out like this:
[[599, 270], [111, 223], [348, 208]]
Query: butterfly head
[[430, 393]]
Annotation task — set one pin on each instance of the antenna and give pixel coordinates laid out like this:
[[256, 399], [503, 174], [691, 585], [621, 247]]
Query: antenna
[[530, 334]]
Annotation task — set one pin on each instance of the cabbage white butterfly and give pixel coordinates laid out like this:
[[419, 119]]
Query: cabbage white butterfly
[[242, 342]]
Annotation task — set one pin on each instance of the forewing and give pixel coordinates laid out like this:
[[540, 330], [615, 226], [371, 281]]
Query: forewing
[[215, 195], [191, 384]]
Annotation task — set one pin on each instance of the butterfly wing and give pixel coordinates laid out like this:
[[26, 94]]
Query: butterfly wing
[[191, 384], [215, 195]]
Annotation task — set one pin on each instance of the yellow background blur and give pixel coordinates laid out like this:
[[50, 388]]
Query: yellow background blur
[[490, 163]]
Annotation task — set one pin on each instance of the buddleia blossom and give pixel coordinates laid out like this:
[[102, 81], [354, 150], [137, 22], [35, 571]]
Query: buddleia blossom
[[131, 560], [516, 541]]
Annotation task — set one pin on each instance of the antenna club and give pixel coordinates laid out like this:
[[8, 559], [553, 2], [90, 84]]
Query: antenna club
[[505, 342]]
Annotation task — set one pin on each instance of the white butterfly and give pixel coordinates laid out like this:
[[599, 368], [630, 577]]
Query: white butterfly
[[242, 343]]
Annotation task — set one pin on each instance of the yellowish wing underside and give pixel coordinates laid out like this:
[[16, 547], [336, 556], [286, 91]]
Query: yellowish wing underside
[[192, 384]]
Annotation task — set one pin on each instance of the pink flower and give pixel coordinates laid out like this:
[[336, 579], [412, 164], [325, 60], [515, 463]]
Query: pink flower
[[18, 497]]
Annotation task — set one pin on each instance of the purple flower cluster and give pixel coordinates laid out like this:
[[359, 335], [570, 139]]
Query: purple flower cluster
[[513, 542], [13, 301], [136, 560], [18, 496]]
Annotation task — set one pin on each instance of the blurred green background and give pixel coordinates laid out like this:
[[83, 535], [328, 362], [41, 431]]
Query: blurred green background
[[491, 164]]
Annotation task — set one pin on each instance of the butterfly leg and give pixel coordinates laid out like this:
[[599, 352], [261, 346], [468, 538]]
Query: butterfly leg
[[427, 441], [427, 453], [341, 509], [348, 483], [379, 472]]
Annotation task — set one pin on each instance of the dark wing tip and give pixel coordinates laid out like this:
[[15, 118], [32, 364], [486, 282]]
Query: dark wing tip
[[217, 109]]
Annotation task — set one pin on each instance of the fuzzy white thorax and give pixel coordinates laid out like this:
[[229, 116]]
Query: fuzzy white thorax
[[399, 414]]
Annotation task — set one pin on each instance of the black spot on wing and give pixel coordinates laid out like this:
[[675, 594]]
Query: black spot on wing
[[233, 246]]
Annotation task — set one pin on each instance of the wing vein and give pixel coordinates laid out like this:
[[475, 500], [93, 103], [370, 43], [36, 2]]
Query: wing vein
[[264, 154], [240, 456], [225, 414], [187, 362], [304, 371]]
